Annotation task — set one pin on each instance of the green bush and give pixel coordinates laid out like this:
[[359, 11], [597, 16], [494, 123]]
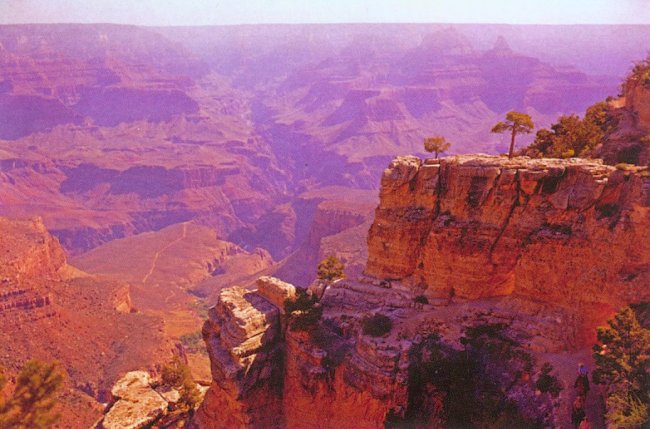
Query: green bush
[[548, 382], [421, 299], [193, 342], [627, 412], [303, 311], [178, 376], [34, 398], [377, 325]]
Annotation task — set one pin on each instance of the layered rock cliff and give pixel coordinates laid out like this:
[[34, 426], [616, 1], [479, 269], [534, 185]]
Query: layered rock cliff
[[265, 375], [545, 249], [569, 232], [52, 311]]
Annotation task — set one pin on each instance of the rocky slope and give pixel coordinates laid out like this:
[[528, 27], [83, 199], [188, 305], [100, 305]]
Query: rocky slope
[[547, 248], [52, 311]]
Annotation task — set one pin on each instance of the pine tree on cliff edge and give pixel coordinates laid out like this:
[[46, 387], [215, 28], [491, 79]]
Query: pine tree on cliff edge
[[436, 145], [516, 123]]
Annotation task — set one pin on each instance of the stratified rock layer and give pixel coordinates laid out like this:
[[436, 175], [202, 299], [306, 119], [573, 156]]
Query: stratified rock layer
[[548, 248], [265, 376], [243, 338], [574, 233]]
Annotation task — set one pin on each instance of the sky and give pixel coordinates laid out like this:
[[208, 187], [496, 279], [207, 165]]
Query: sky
[[229, 12]]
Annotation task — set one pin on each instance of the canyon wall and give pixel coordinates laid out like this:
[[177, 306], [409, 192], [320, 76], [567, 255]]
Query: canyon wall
[[52, 311], [570, 232], [265, 375], [547, 248]]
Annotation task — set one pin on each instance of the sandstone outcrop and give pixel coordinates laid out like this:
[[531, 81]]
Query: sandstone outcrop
[[137, 404], [243, 338], [574, 233], [265, 376], [275, 291], [547, 248], [637, 100]]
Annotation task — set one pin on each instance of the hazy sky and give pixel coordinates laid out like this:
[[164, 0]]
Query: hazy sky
[[202, 12]]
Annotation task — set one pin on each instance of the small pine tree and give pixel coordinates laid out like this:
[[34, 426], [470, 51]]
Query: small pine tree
[[177, 375], [330, 269], [436, 144], [622, 358], [33, 400], [377, 325], [516, 123], [547, 382]]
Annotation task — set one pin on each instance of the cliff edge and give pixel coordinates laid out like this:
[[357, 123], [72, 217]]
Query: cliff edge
[[574, 233], [529, 255]]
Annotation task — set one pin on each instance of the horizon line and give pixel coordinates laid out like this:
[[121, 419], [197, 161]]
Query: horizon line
[[247, 24]]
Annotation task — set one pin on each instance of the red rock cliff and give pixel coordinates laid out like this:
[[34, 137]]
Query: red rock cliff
[[549, 247], [568, 232]]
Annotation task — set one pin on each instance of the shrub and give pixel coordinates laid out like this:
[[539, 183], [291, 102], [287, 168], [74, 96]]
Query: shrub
[[306, 320], [302, 302], [303, 311], [421, 299], [626, 412], [548, 382], [572, 136], [377, 325], [178, 376], [193, 342], [606, 210], [34, 397]]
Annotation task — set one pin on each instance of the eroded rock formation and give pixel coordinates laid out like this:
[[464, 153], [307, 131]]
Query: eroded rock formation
[[52, 311], [547, 249], [573, 233]]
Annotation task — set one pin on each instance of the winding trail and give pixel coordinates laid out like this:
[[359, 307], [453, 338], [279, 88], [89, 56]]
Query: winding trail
[[157, 254]]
